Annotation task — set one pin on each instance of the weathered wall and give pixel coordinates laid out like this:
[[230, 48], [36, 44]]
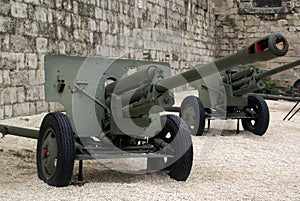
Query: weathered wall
[[238, 22], [167, 30], [181, 32]]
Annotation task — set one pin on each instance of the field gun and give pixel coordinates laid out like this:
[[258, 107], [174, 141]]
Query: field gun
[[113, 110], [240, 102]]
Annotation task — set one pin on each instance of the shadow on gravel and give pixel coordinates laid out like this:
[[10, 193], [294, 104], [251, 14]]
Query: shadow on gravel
[[223, 132], [94, 172]]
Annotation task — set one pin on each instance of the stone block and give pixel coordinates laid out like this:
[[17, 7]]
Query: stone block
[[50, 16], [98, 13], [162, 3], [41, 14], [58, 4], [252, 30], [282, 22], [60, 32], [31, 61], [76, 34], [35, 2], [103, 26], [8, 96], [5, 77], [40, 76], [21, 44], [67, 5], [20, 94], [47, 31], [104, 15], [18, 10], [1, 78], [31, 28], [75, 7], [41, 45], [92, 25], [18, 78], [20, 109], [91, 38], [32, 77], [8, 111], [239, 23], [78, 48], [5, 8], [56, 107], [62, 47], [86, 10], [147, 35], [6, 25], [42, 106], [1, 112], [11, 61], [4, 43], [32, 108], [68, 21], [250, 22], [41, 91], [32, 93]]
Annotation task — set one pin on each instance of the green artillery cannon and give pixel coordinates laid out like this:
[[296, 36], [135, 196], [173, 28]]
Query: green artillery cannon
[[239, 102], [114, 113]]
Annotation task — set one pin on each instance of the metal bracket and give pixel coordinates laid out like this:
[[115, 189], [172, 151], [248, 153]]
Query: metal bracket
[[60, 85]]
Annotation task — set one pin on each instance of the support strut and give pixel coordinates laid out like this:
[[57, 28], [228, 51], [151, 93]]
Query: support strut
[[80, 174], [292, 111]]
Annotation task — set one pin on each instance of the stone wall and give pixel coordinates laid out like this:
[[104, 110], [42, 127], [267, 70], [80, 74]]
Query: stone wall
[[181, 32], [238, 22], [166, 30]]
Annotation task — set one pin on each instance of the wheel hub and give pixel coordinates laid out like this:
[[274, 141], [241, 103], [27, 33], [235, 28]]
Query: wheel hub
[[189, 116], [49, 154], [45, 152]]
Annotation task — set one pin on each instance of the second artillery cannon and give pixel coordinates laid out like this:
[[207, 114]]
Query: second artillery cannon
[[111, 114], [230, 96]]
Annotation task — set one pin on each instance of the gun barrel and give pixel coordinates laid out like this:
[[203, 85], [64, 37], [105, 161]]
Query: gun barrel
[[278, 70], [264, 49], [133, 81], [243, 73]]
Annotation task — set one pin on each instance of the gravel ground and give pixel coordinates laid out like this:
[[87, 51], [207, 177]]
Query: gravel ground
[[227, 166]]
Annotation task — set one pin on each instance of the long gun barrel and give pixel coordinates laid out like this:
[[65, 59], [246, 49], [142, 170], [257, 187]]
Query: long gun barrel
[[250, 79], [278, 70], [264, 49]]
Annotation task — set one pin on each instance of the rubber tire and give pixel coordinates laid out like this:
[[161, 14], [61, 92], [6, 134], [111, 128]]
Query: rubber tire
[[196, 105], [261, 124], [297, 85], [64, 137], [179, 167]]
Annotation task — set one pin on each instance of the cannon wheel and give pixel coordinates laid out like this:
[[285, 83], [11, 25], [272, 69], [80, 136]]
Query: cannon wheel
[[55, 150], [297, 85], [177, 135], [192, 112], [259, 125]]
